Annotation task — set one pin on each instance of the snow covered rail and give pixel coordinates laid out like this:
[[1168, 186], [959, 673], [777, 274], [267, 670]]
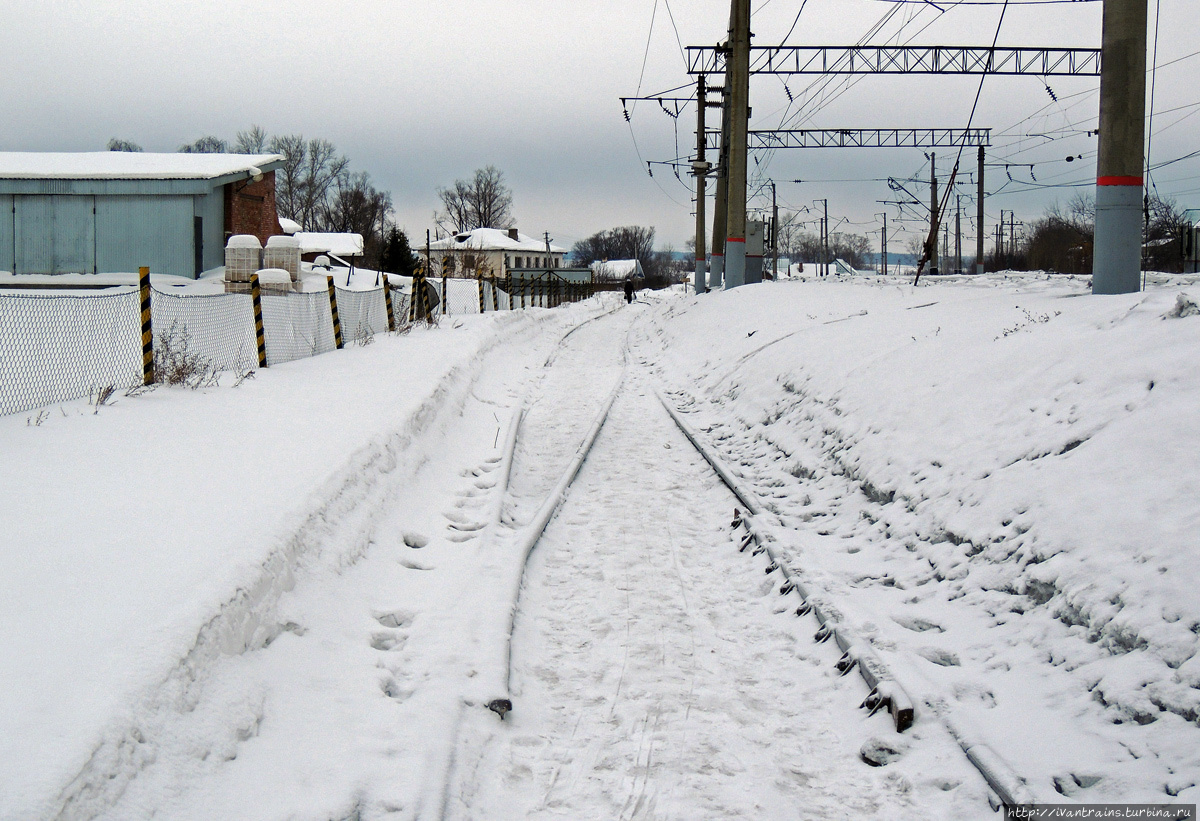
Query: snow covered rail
[[497, 695], [1008, 787], [857, 652]]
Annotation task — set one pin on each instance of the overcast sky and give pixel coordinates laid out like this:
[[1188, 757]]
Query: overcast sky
[[419, 93]]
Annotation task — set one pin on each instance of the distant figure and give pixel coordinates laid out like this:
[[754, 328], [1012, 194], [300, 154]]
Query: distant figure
[[628, 290]]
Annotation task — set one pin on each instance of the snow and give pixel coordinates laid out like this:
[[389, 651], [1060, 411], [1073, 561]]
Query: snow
[[342, 245], [618, 268], [289, 226], [128, 165], [493, 239], [244, 241], [291, 598]]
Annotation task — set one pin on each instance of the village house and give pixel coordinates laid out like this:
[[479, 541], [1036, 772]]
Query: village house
[[492, 252]]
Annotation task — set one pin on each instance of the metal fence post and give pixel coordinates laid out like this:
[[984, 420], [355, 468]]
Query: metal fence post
[[147, 327], [387, 301], [337, 323], [259, 333], [445, 304], [495, 294], [479, 284]]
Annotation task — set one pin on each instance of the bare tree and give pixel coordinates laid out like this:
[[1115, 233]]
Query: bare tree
[[288, 178], [481, 202], [205, 145], [253, 141], [116, 144]]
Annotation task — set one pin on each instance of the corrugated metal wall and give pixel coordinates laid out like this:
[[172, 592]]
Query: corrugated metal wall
[[156, 231], [54, 234], [212, 209], [7, 249]]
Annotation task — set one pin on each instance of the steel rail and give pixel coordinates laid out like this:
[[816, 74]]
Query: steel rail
[[858, 653]]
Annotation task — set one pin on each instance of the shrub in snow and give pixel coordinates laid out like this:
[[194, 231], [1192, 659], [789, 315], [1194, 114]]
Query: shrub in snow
[[1183, 307]]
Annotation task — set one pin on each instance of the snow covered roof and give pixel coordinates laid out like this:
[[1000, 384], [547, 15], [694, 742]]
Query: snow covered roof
[[342, 245], [493, 239], [618, 268], [127, 165], [289, 226]]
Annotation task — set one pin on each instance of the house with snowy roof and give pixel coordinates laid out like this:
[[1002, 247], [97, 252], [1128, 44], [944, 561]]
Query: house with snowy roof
[[492, 252], [115, 211]]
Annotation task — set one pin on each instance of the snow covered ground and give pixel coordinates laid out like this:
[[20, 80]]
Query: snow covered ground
[[290, 599]]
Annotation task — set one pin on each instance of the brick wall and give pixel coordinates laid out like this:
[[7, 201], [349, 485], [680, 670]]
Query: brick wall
[[250, 208]]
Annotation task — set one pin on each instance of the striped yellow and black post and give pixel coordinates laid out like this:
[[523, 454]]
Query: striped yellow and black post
[[147, 328], [259, 333], [445, 304], [479, 282], [337, 323], [387, 301], [495, 295]]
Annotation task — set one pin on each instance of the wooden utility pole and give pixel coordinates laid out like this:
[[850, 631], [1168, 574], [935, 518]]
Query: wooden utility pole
[[1117, 251], [737, 83]]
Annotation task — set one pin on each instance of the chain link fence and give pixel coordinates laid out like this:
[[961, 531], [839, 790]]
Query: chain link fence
[[54, 348], [216, 328], [60, 347], [362, 313], [297, 325]]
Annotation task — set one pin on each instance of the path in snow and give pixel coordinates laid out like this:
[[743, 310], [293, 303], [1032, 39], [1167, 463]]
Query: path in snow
[[656, 673]]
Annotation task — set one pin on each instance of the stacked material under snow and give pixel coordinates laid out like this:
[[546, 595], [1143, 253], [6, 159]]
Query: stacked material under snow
[[243, 256], [283, 252]]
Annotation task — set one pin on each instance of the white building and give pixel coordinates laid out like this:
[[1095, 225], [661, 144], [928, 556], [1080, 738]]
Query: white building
[[492, 252]]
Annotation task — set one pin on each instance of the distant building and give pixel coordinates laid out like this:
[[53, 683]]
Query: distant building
[[114, 211], [613, 270], [491, 252]]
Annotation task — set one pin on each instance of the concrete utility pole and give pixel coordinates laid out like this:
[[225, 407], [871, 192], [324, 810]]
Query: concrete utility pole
[[884, 243], [774, 234], [700, 169], [823, 265], [737, 83], [1117, 262], [958, 268], [979, 219], [933, 215], [716, 273]]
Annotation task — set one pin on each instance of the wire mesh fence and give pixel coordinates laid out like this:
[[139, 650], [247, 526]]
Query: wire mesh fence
[[362, 313], [297, 325], [60, 347], [216, 328], [56, 348]]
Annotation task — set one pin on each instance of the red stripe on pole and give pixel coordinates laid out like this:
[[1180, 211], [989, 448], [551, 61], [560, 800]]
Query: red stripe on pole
[[735, 239], [715, 254], [1119, 181]]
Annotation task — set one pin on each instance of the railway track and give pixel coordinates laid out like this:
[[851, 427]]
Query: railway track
[[526, 523]]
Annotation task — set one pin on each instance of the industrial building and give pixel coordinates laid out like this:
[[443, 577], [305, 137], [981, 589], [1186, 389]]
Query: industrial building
[[114, 211]]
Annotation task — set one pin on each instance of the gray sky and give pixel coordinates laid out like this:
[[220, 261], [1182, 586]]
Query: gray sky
[[420, 93]]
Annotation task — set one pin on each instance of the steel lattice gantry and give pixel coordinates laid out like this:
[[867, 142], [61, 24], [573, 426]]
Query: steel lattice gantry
[[861, 138], [1042, 62]]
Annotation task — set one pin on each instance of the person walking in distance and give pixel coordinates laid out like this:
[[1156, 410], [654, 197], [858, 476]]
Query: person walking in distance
[[628, 290]]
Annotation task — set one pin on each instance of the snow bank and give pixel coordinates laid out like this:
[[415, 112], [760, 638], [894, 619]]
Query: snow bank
[[149, 537]]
